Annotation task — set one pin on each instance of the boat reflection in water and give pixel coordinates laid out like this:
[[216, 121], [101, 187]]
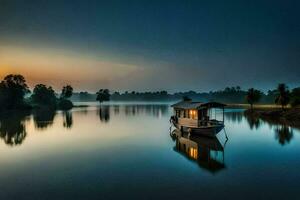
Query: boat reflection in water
[[208, 152]]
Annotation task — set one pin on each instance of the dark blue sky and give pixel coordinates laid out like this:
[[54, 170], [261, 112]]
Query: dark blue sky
[[173, 45]]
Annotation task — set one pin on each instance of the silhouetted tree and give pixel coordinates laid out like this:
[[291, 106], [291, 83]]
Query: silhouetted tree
[[12, 91], [253, 96], [66, 92], [103, 95], [295, 97], [43, 95], [283, 96], [64, 103], [271, 95]]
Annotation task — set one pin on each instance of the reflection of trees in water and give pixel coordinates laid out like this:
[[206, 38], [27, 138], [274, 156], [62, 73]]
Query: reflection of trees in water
[[253, 121], [68, 119], [130, 110], [234, 116], [12, 129], [283, 134], [116, 109], [104, 113], [43, 118], [153, 110]]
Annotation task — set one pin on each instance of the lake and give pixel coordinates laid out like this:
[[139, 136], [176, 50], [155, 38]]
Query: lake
[[127, 151]]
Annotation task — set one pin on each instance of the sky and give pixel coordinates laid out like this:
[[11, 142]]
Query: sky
[[145, 45]]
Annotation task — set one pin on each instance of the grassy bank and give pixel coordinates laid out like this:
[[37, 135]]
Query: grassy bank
[[257, 106]]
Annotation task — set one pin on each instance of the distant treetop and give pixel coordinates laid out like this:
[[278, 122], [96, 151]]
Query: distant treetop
[[66, 92]]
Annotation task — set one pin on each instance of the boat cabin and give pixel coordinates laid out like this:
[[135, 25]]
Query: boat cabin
[[198, 114]]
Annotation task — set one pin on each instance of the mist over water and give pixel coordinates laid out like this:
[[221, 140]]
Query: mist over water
[[127, 150]]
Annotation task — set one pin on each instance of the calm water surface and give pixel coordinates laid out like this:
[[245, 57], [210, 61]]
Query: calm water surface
[[126, 151]]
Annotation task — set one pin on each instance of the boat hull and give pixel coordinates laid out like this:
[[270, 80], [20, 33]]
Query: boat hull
[[211, 131]]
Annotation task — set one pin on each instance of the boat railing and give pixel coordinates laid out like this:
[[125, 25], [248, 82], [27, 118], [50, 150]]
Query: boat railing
[[209, 123], [174, 119]]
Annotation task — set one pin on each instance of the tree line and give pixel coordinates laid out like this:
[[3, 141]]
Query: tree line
[[281, 96], [15, 95], [228, 95]]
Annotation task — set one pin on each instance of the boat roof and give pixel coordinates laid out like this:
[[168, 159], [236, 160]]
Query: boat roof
[[197, 105]]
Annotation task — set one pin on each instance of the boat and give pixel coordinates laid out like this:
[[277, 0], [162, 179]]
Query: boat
[[197, 117]]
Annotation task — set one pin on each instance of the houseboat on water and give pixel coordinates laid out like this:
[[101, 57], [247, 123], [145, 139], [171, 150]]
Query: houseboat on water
[[198, 117]]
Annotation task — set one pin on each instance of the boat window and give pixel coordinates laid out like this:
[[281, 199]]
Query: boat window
[[176, 113], [193, 114]]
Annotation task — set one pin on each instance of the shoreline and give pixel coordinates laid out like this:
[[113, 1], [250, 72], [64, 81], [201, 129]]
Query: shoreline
[[256, 106], [277, 116]]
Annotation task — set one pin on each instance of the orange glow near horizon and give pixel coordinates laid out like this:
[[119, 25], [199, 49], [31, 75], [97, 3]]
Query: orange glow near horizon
[[58, 67], [4, 70]]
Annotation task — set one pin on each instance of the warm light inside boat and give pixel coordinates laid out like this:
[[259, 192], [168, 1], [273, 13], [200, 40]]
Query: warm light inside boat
[[193, 114]]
